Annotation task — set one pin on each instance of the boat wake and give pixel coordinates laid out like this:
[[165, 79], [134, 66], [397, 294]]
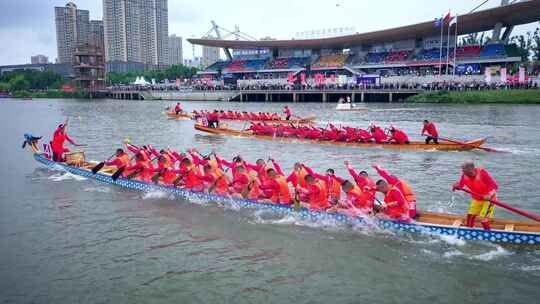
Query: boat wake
[[66, 176], [157, 195], [396, 110], [492, 254], [451, 239], [97, 189], [520, 151]]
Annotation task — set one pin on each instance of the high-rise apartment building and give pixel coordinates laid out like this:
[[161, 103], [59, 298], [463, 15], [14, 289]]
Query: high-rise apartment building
[[72, 29], [175, 50], [39, 59], [210, 56], [96, 34], [136, 31]]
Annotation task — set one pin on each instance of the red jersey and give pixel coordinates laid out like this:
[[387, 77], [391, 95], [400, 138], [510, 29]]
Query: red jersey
[[482, 184], [430, 129]]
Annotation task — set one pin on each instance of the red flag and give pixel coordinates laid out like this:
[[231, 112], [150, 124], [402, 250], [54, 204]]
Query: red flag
[[446, 18], [290, 77]]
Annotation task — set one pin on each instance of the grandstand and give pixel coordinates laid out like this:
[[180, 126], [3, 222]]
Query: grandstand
[[416, 49]]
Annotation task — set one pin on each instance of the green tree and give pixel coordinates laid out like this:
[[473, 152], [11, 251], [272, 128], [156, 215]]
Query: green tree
[[5, 87], [535, 45], [172, 73], [19, 83]]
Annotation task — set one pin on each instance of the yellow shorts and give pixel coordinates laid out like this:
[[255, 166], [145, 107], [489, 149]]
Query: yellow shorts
[[482, 208]]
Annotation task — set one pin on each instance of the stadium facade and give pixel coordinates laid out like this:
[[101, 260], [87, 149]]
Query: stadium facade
[[425, 50]]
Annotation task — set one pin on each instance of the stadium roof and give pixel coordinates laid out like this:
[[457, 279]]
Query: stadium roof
[[510, 15]]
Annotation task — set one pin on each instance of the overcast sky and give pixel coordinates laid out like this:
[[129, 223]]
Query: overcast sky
[[27, 26]]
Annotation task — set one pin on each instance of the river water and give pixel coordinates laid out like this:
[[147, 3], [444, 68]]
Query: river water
[[65, 239]]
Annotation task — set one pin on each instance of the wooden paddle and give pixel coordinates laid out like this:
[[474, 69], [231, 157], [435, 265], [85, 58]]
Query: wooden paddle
[[296, 200], [505, 206], [246, 192], [469, 145], [181, 177], [101, 165], [136, 172], [156, 177], [118, 172]]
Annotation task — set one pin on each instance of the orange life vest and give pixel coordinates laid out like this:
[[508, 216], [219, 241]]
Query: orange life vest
[[191, 180], [320, 200], [168, 175], [214, 164], [124, 159], [395, 211], [221, 185], [146, 166], [334, 188], [406, 191], [283, 195], [360, 199], [300, 178]]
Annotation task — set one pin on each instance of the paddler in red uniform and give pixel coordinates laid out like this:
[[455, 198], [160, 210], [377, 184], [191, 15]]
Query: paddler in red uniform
[[332, 183], [121, 160], [213, 119], [363, 180], [57, 144], [316, 194], [402, 186], [240, 185], [260, 167], [215, 181], [398, 136], [484, 187], [165, 170], [189, 175], [430, 130], [395, 205], [276, 188], [143, 167], [287, 113], [356, 202], [378, 134], [177, 108], [143, 150], [297, 176]]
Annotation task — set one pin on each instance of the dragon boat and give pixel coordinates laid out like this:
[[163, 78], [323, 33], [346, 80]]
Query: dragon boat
[[510, 232], [443, 146], [299, 121]]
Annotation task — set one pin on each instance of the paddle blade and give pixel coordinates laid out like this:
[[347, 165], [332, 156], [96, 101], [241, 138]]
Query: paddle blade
[[177, 181], [98, 167], [156, 177], [132, 175], [296, 201], [117, 174]]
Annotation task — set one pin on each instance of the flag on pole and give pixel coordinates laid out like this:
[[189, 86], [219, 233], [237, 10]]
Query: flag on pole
[[453, 21], [447, 18], [437, 22]]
